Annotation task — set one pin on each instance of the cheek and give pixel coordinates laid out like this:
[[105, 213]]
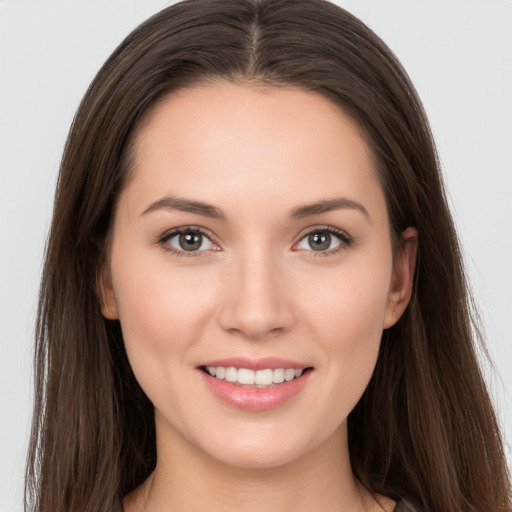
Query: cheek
[[347, 320], [160, 311], [349, 301]]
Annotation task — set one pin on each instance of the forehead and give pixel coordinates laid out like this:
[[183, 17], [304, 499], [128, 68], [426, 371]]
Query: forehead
[[223, 141]]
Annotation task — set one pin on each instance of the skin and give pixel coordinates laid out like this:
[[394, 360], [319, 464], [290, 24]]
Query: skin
[[258, 289]]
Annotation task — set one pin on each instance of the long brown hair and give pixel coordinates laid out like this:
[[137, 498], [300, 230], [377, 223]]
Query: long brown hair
[[425, 427]]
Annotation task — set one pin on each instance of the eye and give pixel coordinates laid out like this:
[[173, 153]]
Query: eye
[[186, 240], [325, 240]]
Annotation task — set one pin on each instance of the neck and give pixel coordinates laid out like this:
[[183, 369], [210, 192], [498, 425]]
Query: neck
[[187, 478]]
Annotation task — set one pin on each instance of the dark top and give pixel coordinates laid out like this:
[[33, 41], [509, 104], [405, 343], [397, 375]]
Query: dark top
[[407, 506]]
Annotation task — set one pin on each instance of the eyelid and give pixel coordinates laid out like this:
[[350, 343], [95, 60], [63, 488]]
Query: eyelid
[[171, 233], [343, 236]]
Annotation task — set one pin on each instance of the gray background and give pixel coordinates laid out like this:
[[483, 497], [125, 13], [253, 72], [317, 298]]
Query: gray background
[[457, 52]]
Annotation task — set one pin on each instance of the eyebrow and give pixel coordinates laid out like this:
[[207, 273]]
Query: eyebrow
[[185, 205], [300, 212], [327, 205]]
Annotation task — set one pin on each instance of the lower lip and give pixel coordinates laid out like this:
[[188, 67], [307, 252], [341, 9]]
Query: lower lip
[[255, 399]]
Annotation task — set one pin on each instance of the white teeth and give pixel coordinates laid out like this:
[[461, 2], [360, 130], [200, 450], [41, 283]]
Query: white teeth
[[259, 378], [278, 375], [289, 374], [245, 376], [231, 374], [263, 377]]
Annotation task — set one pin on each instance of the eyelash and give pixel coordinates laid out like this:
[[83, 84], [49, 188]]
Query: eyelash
[[345, 240], [165, 237]]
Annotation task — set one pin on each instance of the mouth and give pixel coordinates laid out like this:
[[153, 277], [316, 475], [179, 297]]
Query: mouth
[[247, 377], [255, 385]]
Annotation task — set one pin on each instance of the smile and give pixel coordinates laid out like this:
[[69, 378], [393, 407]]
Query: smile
[[254, 389], [258, 378]]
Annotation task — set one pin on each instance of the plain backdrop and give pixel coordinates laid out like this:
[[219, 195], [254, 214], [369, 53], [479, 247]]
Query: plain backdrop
[[457, 52]]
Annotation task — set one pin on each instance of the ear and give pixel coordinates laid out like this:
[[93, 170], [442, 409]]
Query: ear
[[403, 277], [106, 294]]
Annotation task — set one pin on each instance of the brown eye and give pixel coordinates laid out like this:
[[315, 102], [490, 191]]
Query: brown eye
[[189, 241], [324, 240], [319, 241]]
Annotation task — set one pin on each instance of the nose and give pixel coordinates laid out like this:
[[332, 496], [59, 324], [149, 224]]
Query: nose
[[255, 302]]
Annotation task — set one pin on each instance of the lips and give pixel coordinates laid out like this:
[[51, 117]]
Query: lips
[[256, 364], [255, 396]]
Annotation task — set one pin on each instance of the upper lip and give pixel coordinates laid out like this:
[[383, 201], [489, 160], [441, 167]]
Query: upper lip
[[256, 364]]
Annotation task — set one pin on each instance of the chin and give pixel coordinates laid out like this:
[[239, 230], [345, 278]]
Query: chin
[[264, 450], [257, 459]]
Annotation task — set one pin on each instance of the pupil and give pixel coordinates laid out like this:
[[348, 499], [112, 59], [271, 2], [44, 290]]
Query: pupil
[[320, 241], [190, 241]]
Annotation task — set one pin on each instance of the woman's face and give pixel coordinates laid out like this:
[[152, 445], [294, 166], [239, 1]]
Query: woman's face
[[253, 233]]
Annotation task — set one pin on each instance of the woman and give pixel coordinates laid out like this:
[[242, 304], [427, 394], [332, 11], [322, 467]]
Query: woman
[[253, 293]]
